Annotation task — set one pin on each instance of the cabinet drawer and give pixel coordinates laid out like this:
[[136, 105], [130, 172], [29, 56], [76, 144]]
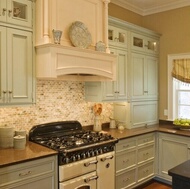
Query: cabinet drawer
[[125, 160], [145, 154], [126, 144], [146, 139], [126, 179], [22, 171], [145, 171]]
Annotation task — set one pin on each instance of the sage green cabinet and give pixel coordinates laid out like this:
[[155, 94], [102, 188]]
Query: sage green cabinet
[[38, 174], [16, 66], [16, 12], [173, 150], [110, 90]]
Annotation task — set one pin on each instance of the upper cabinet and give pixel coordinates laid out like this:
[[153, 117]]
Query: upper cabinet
[[117, 36], [16, 12], [16, 52], [144, 44]]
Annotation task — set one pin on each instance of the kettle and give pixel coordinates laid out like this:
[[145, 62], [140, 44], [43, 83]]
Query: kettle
[[112, 123]]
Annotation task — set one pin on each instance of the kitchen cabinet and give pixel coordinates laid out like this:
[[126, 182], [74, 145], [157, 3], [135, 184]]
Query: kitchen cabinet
[[40, 173], [110, 90], [135, 160], [136, 114], [173, 150], [117, 37], [16, 12], [144, 77], [144, 43], [16, 66]]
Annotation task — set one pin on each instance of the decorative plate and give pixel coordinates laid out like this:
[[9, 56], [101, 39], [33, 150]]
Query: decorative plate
[[79, 35]]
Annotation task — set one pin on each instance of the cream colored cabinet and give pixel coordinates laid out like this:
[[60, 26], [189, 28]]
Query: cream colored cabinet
[[173, 150], [110, 90], [41, 173], [144, 77], [144, 43], [16, 12], [135, 161], [118, 37], [16, 66]]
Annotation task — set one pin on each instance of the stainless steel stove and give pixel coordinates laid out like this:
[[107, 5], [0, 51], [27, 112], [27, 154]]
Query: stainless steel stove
[[77, 149]]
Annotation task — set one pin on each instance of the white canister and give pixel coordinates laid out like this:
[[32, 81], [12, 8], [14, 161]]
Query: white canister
[[6, 136], [19, 142]]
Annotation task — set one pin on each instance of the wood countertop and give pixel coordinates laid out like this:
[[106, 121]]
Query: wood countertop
[[9, 156], [32, 151]]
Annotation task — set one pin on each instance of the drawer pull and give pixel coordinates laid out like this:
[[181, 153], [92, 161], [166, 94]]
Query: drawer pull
[[126, 180], [106, 158], [87, 180], [90, 163], [25, 174], [126, 161], [125, 146]]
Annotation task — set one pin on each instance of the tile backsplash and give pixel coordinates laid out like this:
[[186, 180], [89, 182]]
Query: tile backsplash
[[55, 101]]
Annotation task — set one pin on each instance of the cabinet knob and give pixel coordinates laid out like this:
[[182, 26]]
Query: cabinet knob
[[4, 92], [10, 11]]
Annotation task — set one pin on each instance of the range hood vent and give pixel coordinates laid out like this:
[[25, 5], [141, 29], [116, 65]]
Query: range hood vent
[[71, 63]]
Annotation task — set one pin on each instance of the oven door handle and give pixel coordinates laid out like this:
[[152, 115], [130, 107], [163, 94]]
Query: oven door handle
[[106, 158], [90, 179], [89, 163]]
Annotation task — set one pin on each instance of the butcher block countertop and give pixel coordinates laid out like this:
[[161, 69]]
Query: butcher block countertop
[[34, 151], [9, 156]]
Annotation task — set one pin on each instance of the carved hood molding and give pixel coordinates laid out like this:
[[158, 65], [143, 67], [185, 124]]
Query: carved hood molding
[[65, 61]]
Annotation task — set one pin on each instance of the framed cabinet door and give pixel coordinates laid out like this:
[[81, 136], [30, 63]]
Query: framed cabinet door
[[3, 65], [19, 66]]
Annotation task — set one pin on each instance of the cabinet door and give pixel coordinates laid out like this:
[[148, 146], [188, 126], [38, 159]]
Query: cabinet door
[[173, 150], [117, 36], [144, 44], [144, 77], [3, 10], [144, 113], [3, 64], [17, 12], [118, 89], [19, 66]]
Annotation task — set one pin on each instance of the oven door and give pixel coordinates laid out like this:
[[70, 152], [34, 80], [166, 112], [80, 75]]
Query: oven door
[[87, 181]]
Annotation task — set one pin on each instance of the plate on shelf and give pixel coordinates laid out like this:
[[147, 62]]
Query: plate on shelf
[[79, 35]]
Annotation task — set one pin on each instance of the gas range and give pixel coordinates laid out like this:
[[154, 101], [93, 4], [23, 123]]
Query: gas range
[[71, 141]]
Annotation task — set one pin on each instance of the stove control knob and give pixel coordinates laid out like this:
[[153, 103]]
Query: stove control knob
[[105, 149], [100, 151], [88, 154], [92, 153], [83, 155], [73, 158], [66, 160], [96, 152], [78, 156]]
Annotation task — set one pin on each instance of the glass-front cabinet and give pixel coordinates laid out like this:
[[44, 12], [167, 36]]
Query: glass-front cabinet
[[117, 36], [143, 43], [17, 12]]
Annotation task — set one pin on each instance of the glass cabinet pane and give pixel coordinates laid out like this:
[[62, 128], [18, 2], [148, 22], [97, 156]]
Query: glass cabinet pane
[[19, 10], [122, 37], [110, 35], [152, 45], [137, 42]]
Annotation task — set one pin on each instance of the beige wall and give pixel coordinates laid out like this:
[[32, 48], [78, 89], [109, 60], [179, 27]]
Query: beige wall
[[174, 26]]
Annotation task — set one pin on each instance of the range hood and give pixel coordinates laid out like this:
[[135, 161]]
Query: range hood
[[71, 63], [65, 61]]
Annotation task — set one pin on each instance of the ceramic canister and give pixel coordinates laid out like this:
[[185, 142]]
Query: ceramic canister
[[19, 142], [21, 133], [6, 136]]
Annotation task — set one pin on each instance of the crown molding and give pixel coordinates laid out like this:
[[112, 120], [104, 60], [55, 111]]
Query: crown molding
[[152, 10]]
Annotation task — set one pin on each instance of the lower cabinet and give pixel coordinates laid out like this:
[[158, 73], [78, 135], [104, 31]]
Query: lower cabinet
[[135, 160], [173, 150], [35, 174]]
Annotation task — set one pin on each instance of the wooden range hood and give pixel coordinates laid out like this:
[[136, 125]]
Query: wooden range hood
[[65, 61]]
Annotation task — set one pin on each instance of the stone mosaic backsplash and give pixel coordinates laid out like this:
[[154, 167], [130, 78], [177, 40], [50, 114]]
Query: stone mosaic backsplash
[[55, 101]]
